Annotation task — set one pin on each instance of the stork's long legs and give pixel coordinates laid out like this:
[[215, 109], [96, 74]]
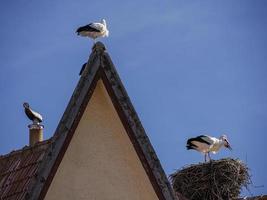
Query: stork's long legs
[[205, 156], [209, 156]]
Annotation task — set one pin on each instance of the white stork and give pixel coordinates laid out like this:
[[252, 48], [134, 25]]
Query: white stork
[[32, 115], [207, 144], [94, 30]]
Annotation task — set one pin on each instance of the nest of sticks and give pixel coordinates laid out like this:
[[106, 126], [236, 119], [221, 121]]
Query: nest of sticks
[[218, 179]]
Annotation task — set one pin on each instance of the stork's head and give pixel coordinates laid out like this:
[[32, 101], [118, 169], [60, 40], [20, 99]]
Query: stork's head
[[225, 142], [26, 105]]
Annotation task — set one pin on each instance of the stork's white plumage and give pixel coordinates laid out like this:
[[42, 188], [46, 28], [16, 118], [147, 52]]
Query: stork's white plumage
[[207, 144], [31, 114], [94, 30]]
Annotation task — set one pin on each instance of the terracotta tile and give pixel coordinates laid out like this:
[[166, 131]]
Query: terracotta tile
[[18, 169]]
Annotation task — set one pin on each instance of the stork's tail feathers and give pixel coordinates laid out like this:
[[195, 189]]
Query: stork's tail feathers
[[188, 147]]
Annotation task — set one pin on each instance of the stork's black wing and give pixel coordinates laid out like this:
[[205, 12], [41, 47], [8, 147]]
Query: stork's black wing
[[190, 145], [29, 114], [32, 115], [201, 139], [87, 28]]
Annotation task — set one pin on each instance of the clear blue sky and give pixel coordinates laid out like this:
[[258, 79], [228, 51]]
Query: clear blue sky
[[190, 68]]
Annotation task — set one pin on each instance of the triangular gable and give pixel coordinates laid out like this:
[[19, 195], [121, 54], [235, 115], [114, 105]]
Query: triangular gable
[[98, 67]]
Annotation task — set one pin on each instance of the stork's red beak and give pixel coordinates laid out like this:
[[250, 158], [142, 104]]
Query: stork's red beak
[[227, 145]]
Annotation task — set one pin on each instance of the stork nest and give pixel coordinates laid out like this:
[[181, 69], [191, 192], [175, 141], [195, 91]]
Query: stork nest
[[215, 180]]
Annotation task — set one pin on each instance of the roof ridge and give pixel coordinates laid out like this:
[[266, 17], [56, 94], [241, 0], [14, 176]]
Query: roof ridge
[[25, 148], [100, 66]]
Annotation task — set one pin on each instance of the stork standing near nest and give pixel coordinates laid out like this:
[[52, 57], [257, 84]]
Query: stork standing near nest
[[207, 144]]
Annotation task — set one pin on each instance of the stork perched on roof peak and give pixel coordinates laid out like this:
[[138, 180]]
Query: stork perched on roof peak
[[207, 144], [94, 30], [32, 115]]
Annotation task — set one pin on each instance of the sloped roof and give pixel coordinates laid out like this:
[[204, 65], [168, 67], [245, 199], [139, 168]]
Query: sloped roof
[[99, 66], [18, 169]]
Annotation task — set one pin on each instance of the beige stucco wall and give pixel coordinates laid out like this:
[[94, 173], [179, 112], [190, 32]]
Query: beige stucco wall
[[100, 162]]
